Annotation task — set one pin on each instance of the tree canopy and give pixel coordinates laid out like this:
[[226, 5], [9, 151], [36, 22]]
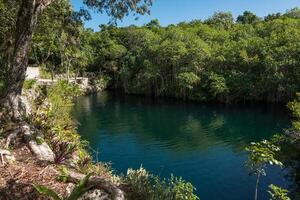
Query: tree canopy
[[219, 59]]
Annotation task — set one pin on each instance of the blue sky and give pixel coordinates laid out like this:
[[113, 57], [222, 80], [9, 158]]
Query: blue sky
[[175, 11]]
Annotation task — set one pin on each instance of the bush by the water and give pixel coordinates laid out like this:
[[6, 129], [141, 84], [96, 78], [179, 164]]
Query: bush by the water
[[150, 187]]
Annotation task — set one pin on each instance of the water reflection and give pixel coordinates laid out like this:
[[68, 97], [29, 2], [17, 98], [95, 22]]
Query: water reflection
[[202, 143]]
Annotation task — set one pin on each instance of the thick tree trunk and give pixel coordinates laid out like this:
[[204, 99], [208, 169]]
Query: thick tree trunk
[[15, 76]]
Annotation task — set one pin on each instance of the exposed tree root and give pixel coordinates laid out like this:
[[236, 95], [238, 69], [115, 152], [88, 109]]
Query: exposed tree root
[[42, 150], [100, 183], [29, 135], [12, 136], [5, 155]]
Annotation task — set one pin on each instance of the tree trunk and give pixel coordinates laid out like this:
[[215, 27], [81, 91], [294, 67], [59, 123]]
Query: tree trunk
[[52, 75], [256, 187], [76, 75], [15, 76], [68, 70]]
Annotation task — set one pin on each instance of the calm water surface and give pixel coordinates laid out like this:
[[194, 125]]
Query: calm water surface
[[202, 143]]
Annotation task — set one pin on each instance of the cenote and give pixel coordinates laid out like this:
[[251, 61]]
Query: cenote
[[202, 143]]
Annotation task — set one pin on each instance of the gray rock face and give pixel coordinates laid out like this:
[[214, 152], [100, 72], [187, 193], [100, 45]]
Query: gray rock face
[[42, 151], [95, 194]]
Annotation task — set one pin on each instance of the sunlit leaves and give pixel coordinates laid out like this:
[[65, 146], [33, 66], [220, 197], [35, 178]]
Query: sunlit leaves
[[277, 193], [118, 9], [260, 155], [294, 106]]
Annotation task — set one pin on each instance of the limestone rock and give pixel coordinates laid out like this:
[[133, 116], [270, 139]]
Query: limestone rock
[[6, 156], [95, 194], [42, 151]]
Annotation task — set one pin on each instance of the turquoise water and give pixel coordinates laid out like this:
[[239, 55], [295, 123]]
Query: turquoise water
[[201, 143]]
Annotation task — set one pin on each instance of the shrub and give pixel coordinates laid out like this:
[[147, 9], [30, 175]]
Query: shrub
[[149, 187], [62, 132], [100, 82], [294, 106]]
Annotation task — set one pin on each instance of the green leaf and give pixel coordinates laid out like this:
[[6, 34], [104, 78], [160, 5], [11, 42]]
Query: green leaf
[[81, 188], [47, 191]]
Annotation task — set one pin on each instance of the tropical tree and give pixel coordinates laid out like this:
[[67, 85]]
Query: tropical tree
[[26, 22], [222, 19], [247, 18]]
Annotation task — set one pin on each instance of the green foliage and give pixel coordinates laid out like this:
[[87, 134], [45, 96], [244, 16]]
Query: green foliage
[[118, 9], [260, 155], [250, 59], [217, 84], [247, 18], [187, 79], [53, 115], [149, 187], [294, 106], [29, 83], [47, 191], [217, 59], [101, 82], [222, 19], [80, 188], [293, 13], [63, 174], [278, 193], [77, 192], [63, 136]]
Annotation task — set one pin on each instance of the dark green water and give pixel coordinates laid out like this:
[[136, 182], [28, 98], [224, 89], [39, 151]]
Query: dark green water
[[202, 143]]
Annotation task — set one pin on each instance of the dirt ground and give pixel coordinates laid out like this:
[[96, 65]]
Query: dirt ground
[[17, 179]]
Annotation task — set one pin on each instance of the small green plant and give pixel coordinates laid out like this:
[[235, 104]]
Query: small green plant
[[78, 191], [277, 193], [29, 83], [63, 174], [261, 154]]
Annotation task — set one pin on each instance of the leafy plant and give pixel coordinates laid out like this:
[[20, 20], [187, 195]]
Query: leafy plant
[[47, 191], [63, 174], [278, 193], [260, 155], [149, 187], [53, 115], [29, 83], [294, 106], [77, 192]]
